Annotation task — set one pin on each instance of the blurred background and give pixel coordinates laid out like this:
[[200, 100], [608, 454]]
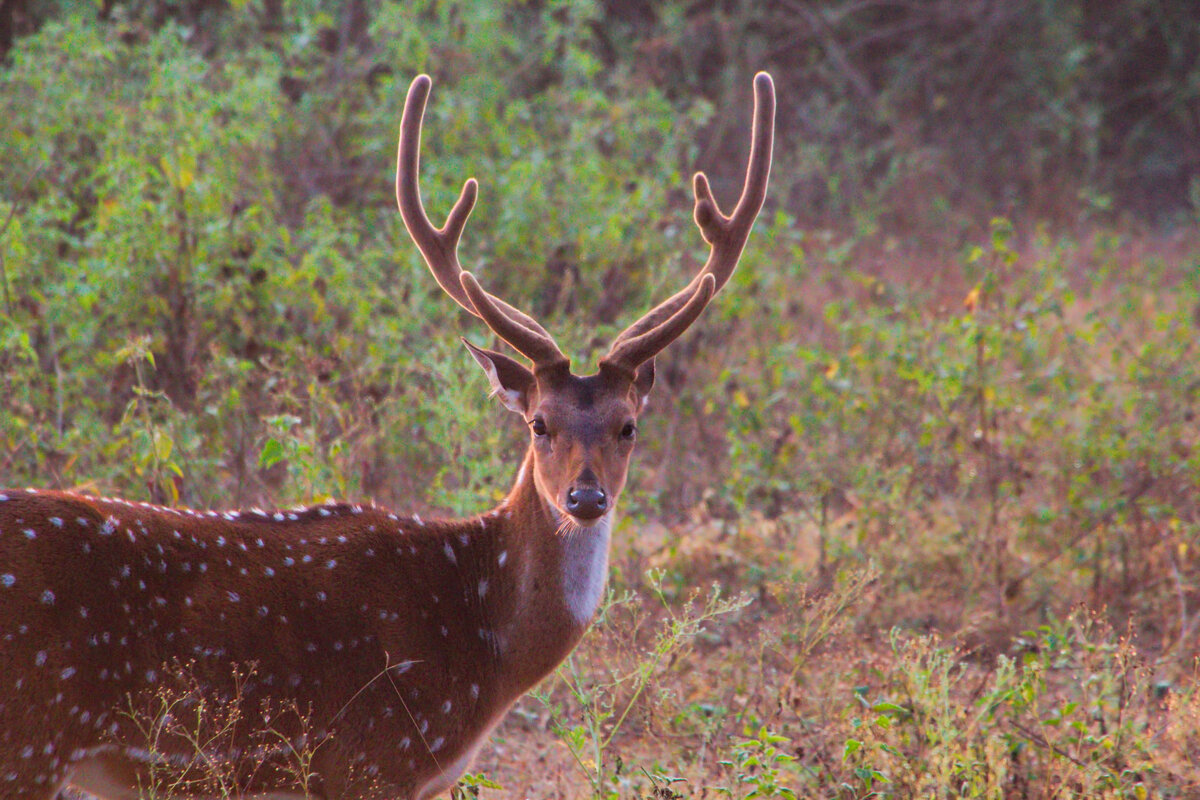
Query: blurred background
[[935, 446]]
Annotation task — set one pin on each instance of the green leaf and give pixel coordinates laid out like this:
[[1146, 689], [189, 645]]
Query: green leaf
[[271, 454]]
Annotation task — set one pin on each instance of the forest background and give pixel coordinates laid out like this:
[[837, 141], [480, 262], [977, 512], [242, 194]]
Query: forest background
[[916, 507]]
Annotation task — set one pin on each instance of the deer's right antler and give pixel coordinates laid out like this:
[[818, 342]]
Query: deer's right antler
[[439, 246]]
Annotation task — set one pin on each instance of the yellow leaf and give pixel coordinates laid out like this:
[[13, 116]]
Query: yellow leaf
[[172, 492], [971, 301], [831, 369], [107, 206], [162, 446], [167, 169], [740, 398], [186, 176]]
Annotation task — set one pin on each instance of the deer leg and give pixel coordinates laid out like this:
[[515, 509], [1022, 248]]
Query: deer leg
[[110, 776], [106, 775]]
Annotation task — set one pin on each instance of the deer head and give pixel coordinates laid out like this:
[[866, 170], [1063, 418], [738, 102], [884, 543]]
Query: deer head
[[582, 428]]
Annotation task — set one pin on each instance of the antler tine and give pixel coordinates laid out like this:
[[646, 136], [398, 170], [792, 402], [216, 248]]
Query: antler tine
[[439, 246], [634, 351], [726, 235], [537, 346]]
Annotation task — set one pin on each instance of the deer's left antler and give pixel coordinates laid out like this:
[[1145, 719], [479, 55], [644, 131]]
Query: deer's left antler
[[726, 236]]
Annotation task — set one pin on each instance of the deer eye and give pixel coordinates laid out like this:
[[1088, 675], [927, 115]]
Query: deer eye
[[628, 431], [538, 426]]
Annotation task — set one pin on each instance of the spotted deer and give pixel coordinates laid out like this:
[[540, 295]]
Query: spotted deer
[[398, 643]]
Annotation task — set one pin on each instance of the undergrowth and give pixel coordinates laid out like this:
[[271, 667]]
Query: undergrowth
[[195, 741]]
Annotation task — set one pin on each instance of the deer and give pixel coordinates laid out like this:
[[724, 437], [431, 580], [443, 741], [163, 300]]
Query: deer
[[398, 643]]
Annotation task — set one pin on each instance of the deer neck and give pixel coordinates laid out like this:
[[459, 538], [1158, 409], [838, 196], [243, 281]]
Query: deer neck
[[557, 580]]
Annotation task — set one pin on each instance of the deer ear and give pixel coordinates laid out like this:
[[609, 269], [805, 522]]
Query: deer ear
[[511, 381], [643, 381]]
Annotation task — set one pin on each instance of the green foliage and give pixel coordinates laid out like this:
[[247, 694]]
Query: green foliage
[[1022, 724], [757, 763], [184, 211], [470, 786], [131, 213], [956, 408], [150, 445]]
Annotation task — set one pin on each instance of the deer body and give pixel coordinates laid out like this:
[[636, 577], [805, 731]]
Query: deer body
[[405, 641], [366, 654]]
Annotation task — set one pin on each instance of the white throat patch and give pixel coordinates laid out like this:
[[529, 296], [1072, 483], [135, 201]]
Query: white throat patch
[[585, 568]]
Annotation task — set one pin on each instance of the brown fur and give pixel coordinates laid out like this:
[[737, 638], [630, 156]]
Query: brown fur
[[369, 623]]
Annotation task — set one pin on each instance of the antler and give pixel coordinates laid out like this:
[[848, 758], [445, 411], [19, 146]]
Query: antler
[[632, 351], [536, 345], [726, 236], [439, 246]]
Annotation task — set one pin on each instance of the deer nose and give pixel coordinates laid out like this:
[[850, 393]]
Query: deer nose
[[586, 502]]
